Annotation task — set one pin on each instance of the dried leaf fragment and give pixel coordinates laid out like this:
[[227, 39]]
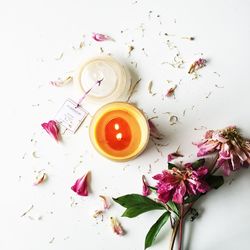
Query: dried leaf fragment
[[130, 49], [97, 213]]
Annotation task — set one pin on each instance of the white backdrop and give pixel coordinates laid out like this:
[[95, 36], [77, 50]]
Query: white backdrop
[[34, 34]]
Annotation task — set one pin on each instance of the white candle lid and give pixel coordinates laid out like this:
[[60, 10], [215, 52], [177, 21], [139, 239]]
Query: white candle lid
[[114, 86]]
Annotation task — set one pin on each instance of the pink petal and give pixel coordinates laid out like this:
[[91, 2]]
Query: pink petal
[[52, 129], [179, 193], [81, 185], [101, 37], [106, 203], [153, 130], [173, 156], [145, 189], [116, 226]]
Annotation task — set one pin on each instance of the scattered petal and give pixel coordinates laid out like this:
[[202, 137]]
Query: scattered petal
[[145, 189], [101, 37], [40, 178], [81, 185], [117, 228], [173, 119], [174, 155], [106, 202], [200, 63], [97, 213], [130, 49], [61, 82], [171, 91], [154, 131], [52, 129]]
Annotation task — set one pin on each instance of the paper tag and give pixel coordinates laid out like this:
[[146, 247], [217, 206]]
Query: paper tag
[[70, 115]]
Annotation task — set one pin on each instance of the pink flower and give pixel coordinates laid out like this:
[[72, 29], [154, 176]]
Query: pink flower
[[233, 149], [176, 184], [145, 189], [200, 63], [52, 129], [101, 37], [81, 185]]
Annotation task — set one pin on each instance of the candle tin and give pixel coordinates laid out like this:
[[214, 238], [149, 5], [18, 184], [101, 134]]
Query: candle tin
[[119, 131]]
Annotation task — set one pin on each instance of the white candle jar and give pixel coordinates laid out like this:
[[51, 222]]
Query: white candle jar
[[115, 84]]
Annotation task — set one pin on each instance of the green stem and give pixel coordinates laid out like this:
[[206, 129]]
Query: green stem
[[181, 226]]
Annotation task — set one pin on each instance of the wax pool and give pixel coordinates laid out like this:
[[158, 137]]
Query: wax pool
[[120, 131]]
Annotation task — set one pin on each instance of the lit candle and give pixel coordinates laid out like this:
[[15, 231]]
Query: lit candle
[[119, 131]]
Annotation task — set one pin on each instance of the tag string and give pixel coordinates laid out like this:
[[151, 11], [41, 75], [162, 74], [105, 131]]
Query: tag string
[[87, 92]]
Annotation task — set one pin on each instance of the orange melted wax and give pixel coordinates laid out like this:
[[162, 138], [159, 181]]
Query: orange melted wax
[[118, 133]]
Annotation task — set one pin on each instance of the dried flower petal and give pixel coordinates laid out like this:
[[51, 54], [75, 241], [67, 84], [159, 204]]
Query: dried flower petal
[[101, 37], [117, 228], [171, 91], [40, 178], [81, 185], [200, 63], [174, 155], [106, 203], [98, 213], [145, 189], [130, 49], [154, 131], [61, 82], [52, 129]]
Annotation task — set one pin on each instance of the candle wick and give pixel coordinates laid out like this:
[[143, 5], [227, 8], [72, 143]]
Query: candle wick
[[87, 92]]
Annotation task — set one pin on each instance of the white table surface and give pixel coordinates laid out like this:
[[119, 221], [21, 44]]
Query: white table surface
[[34, 34]]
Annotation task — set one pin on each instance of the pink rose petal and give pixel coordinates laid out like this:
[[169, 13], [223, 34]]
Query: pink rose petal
[[81, 185], [52, 129], [101, 37]]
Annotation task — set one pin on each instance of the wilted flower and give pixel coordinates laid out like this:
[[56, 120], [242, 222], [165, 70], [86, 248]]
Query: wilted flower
[[101, 37], [81, 185], [52, 129], [145, 189], [176, 184], [233, 149], [117, 228]]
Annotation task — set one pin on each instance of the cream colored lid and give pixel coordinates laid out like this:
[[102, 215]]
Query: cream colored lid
[[114, 86]]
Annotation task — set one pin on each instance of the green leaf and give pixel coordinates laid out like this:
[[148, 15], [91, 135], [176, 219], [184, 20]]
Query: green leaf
[[192, 198], [137, 204], [198, 163], [215, 181], [173, 207], [171, 165], [155, 229]]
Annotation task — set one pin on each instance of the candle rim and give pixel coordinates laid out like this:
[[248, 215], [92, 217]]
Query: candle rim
[[143, 144]]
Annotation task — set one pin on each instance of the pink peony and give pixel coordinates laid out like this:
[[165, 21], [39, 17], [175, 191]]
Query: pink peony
[[233, 149], [176, 184]]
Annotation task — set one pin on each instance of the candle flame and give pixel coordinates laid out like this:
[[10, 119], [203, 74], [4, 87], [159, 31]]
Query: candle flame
[[119, 136]]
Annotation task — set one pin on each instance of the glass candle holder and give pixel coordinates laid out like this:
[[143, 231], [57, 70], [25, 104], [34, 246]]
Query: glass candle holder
[[119, 131], [116, 80]]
